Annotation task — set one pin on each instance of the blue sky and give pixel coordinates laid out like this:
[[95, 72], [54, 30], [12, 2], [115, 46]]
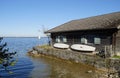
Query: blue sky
[[26, 17]]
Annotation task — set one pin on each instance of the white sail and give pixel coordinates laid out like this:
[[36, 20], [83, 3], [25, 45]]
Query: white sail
[[39, 37]]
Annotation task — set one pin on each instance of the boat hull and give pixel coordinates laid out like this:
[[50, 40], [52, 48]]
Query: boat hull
[[61, 45], [80, 47]]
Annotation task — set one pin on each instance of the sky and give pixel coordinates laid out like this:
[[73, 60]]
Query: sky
[[31, 17]]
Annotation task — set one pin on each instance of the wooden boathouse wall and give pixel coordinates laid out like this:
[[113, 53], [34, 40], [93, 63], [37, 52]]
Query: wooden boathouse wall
[[74, 37], [117, 46]]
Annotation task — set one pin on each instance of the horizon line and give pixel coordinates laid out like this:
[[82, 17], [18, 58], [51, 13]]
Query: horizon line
[[20, 36]]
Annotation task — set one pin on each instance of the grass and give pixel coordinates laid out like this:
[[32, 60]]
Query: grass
[[118, 57], [45, 46]]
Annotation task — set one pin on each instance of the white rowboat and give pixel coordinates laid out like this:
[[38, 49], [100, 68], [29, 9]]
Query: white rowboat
[[80, 47], [61, 45]]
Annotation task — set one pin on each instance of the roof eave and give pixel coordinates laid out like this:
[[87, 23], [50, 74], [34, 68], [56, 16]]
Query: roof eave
[[82, 30]]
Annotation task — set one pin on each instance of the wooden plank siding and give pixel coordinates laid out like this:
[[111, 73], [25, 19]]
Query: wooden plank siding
[[74, 37], [117, 46]]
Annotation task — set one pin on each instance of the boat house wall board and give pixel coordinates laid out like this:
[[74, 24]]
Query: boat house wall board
[[75, 37], [117, 46]]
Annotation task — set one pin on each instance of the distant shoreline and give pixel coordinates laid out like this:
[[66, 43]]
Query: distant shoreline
[[23, 37], [19, 37]]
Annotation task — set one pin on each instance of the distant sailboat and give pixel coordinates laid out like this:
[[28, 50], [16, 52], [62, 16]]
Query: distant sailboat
[[39, 37], [39, 34]]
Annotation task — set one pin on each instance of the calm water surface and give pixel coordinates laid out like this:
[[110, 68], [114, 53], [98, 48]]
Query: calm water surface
[[42, 67]]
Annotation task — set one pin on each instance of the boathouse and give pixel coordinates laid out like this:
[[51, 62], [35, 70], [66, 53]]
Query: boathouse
[[102, 32]]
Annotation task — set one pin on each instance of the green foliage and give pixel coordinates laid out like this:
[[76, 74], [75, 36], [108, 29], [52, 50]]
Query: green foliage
[[118, 57], [45, 46], [6, 57]]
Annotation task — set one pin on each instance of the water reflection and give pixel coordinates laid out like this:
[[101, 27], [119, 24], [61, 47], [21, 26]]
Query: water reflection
[[24, 65], [47, 67]]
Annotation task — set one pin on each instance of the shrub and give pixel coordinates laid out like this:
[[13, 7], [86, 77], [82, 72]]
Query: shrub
[[6, 57]]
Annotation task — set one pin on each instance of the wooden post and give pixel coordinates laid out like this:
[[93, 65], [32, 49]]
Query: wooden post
[[114, 43], [111, 51], [105, 51]]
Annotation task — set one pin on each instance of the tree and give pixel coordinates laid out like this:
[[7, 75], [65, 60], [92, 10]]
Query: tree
[[6, 57]]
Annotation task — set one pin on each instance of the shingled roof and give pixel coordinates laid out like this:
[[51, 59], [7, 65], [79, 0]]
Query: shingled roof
[[106, 21]]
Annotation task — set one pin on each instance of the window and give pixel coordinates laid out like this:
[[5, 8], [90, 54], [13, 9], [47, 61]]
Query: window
[[57, 39], [64, 39], [61, 39], [97, 40], [84, 40]]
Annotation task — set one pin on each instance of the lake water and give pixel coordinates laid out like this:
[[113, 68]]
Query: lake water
[[42, 67]]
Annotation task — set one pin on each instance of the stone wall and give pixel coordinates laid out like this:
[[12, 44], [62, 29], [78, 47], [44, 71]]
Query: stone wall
[[111, 65]]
